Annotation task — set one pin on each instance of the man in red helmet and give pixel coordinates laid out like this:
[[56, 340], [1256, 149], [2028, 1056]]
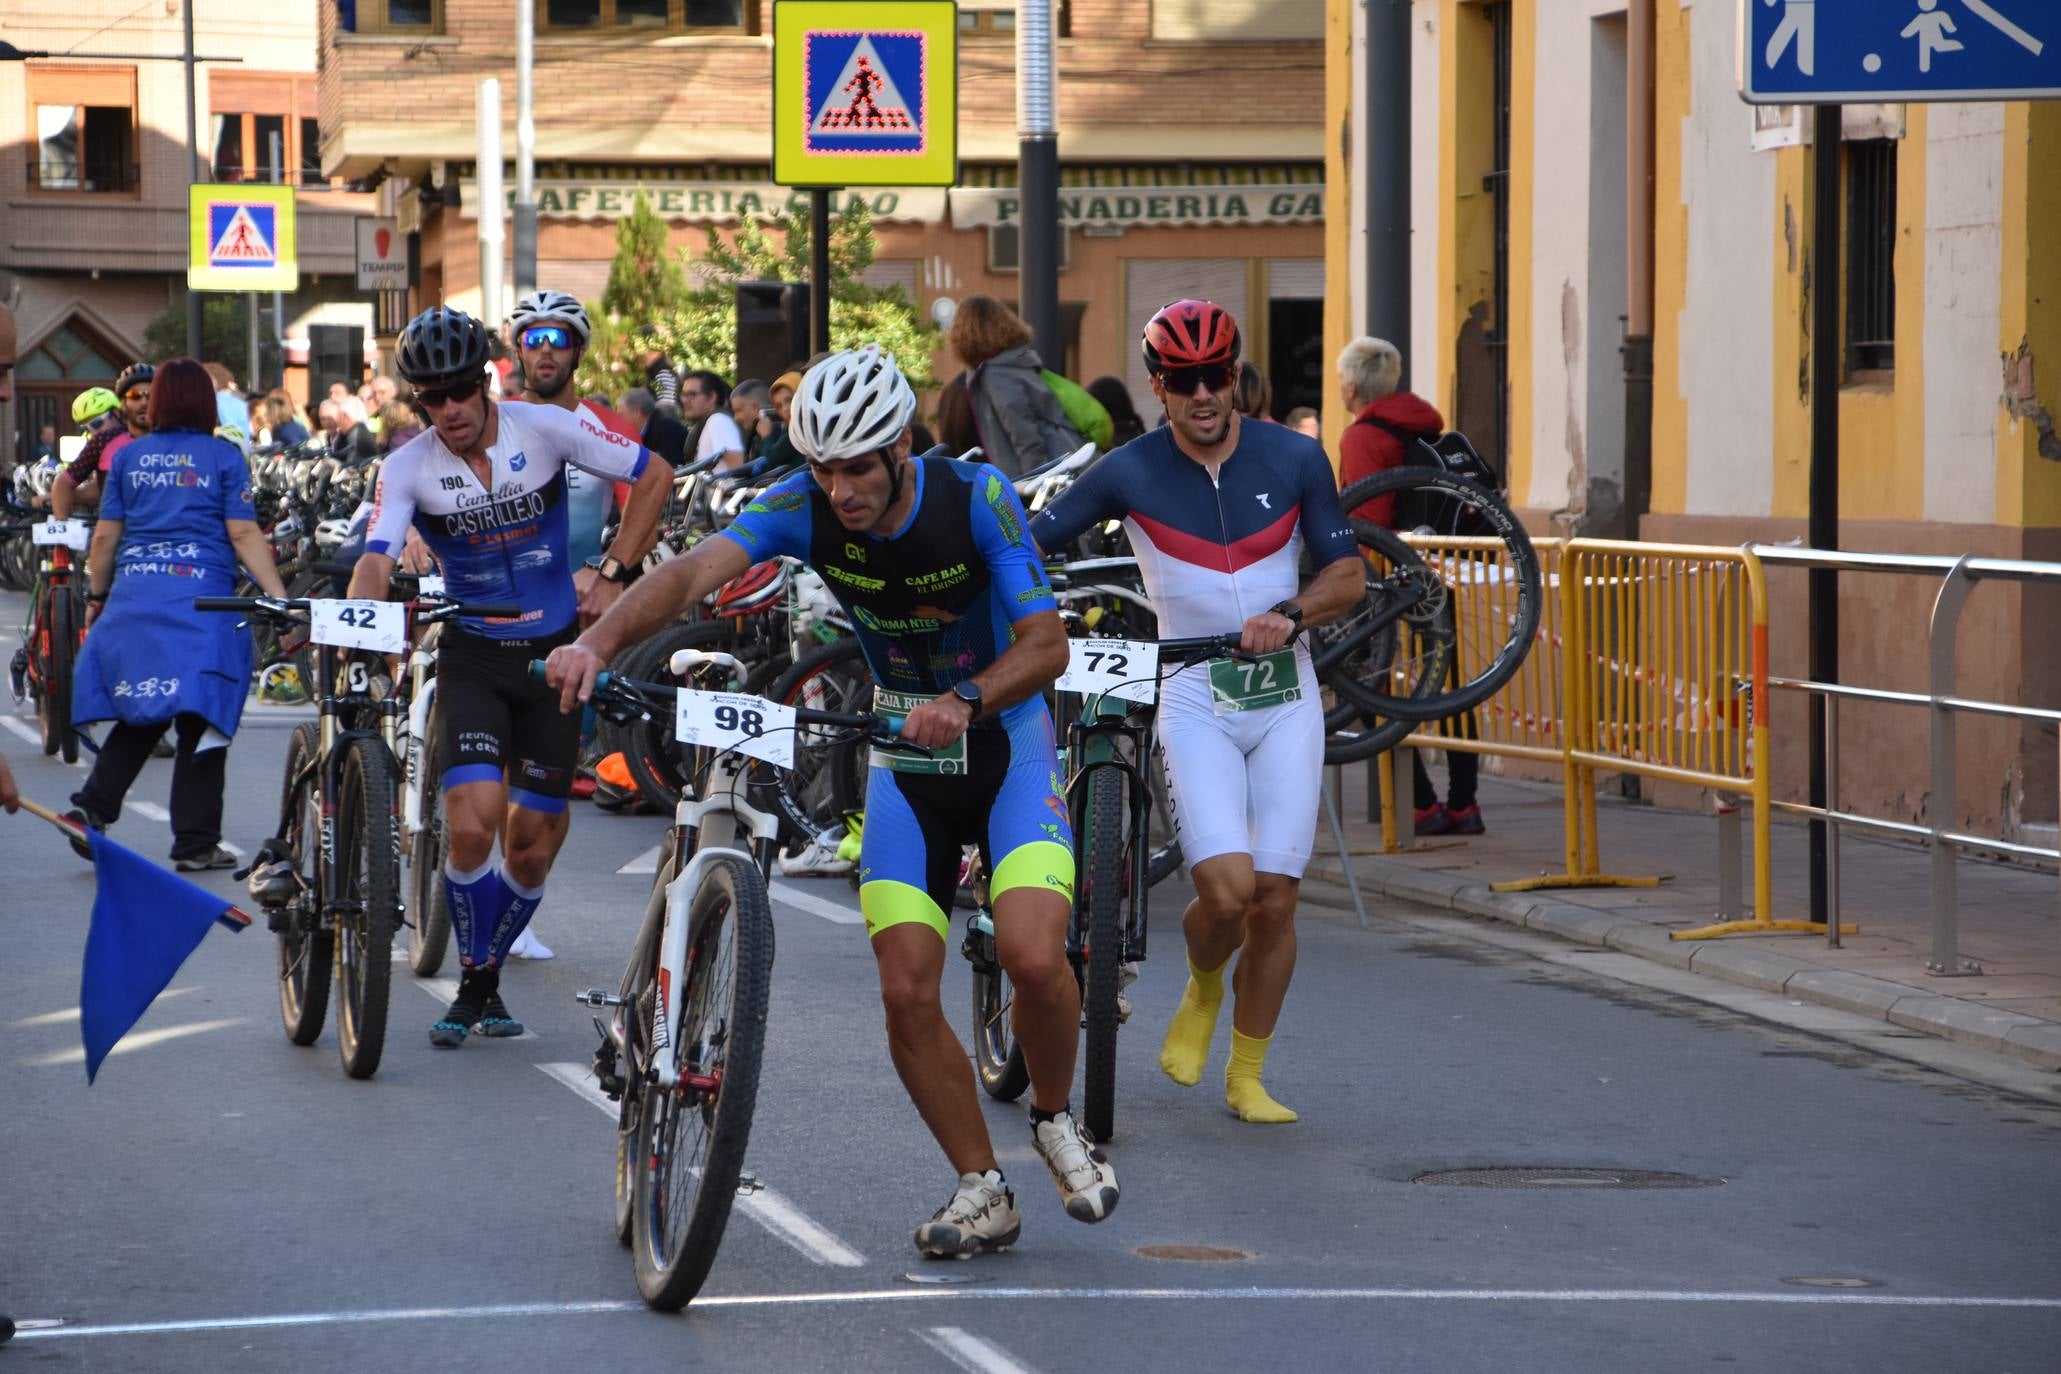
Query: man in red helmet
[[1219, 512]]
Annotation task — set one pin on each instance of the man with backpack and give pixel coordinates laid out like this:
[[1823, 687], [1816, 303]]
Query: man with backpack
[[1392, 427]]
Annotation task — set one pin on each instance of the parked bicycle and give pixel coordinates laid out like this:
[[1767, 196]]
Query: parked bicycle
[[44, 666]]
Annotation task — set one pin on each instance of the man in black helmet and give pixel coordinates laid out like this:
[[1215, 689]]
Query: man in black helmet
[[485, 487]]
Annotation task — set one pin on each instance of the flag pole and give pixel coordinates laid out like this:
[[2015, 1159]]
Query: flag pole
[[45, 813], [232, 917]]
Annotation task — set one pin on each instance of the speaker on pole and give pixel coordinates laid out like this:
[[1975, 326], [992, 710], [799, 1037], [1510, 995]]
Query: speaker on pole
[[772, 327]]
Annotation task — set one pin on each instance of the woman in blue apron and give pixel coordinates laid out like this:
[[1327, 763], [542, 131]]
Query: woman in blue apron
[[175, 521]]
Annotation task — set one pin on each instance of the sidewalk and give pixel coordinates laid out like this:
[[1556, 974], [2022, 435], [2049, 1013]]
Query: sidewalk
[[2010, 916]]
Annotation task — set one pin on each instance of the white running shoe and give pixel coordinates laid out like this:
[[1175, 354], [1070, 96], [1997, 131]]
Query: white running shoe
[[981, 1216], [816, 859], [528, 946], [1085, 1177]]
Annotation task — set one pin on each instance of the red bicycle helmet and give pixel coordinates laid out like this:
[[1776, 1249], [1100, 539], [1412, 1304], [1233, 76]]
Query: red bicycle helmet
[[1188, 334]]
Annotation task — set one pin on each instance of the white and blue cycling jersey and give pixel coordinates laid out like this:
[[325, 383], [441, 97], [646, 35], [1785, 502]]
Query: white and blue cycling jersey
[[508, 540]]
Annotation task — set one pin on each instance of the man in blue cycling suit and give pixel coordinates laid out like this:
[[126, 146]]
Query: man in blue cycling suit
[[1220, 511], [962, 634], [485, 487]]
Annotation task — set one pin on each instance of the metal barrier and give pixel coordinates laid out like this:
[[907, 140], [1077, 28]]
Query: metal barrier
[[1658, 666], [1958, 579]]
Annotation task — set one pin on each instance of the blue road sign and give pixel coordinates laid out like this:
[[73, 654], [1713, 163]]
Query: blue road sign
[[1823, 52]]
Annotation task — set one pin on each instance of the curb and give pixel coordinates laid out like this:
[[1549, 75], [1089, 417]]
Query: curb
[[2028, 1038]]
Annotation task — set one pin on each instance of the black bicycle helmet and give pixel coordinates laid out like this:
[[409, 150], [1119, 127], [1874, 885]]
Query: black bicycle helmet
[[441, 346], [132, 375]]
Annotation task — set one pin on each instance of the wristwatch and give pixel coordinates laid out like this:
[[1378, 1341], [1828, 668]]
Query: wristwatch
[[1289, 609], [611, 570], [968, 692]]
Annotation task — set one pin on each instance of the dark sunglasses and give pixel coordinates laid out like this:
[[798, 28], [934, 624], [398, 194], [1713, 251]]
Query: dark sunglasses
[[433, 397], [547, 336], [1212, 377]]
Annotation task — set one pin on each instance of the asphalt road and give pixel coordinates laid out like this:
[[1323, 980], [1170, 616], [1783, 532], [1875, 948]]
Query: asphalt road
[[224, 1200]]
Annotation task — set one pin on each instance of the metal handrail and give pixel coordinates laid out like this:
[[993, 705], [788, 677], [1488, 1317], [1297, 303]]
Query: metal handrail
[[1987, 569]]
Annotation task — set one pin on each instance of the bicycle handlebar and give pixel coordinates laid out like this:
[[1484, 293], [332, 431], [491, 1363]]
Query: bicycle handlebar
[[283, 608], [613, 689]]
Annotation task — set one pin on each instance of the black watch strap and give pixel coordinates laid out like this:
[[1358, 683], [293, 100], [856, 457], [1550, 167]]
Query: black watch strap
[[1289, 609]]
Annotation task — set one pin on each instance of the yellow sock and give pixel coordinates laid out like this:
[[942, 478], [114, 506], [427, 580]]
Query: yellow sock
[[1242, 1081], [1186, 1048]]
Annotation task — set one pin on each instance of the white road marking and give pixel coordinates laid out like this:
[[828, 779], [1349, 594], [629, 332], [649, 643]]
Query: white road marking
[[58, 1018], [789, 895], [137, 1040], [150, 809], [970, 1352], [647, 862], [445, 990], [764, 1206], [864, 1297], [21, 731]]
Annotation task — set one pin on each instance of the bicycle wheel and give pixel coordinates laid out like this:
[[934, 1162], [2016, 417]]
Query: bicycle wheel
[[691, 1141], [305, 948], [61, 635], [368, 853], [639, 1004], [827, 779], [997, 1058], [429, 910], [1105, 881], [1468, 603], [656, 760]]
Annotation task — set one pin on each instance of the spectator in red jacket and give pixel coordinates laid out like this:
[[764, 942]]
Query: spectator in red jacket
[[1369, 374]]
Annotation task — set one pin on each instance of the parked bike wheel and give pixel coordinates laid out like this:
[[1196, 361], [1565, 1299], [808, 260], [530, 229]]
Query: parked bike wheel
[[692, 1139], [656, 760], [827, 779], [60, 636], [1466, 616], [368, 853], [429, 910], [305, 948], [1104, 884]]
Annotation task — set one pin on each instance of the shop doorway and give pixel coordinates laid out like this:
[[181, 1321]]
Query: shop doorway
[[1295, 355]]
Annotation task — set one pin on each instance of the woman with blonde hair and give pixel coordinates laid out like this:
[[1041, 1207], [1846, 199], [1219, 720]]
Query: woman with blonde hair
[[1019, 420]]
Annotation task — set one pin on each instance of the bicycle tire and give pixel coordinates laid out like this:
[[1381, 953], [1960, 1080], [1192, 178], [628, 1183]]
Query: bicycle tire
[[827, 780], [304, 955], [368, 854], [654, 756], [59, 737], [429, 908], [722, 1028], [997, 1058], [634, 990], [1104, 889], [1449, 506]]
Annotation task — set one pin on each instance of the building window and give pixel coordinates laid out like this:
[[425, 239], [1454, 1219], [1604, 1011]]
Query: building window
[[997, 18], [311, 151], [390, 16], [256, 113], [594, 16], [85, 124], [1871, 256]]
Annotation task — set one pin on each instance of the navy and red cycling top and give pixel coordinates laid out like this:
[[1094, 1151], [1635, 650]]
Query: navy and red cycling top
[[1216, 548], [934, 602]]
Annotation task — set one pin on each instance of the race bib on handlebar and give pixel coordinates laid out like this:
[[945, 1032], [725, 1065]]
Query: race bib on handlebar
[[1250, 684], [945, 761], [62, 534], [735, 720], [429, 584], [1125, 668], [380, 626]]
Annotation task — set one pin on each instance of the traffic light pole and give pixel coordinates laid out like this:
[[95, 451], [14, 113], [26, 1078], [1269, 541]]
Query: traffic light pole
[[819, 269]]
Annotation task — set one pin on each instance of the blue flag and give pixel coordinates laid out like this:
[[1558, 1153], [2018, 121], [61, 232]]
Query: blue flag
[[145, 922]]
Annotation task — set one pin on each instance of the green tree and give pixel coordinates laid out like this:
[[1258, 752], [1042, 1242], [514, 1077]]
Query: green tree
[[701, 331], [644, 282], [224, 335]]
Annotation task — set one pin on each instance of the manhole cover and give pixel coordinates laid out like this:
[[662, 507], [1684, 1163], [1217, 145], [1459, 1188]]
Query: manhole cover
[[1527, 1177], [1192, 1254], [944, 1276], [1831, 1281]]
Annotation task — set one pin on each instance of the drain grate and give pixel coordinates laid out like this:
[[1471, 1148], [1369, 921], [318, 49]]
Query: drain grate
[[1193, 1254], [1532, 1177]]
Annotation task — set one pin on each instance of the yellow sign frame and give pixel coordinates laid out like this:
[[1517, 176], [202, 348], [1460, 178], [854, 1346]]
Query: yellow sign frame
[[202, 274], [795, 163]]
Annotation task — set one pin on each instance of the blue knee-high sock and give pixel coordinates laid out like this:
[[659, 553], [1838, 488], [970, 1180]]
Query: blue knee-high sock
[[521, 904], [477, 900]]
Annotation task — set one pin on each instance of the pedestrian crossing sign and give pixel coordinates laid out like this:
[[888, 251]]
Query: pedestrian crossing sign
[[241, 238], [865, 94]]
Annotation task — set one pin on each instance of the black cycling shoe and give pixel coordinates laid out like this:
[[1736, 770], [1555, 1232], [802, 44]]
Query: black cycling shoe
[[463, 1015], [494, 1021]]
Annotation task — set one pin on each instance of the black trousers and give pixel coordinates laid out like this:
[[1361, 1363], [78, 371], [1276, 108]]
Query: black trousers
[[197, 781], [1463, 770]]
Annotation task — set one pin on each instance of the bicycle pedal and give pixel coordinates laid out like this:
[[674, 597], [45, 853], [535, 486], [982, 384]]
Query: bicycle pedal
[[595, 997], [749, 1183]]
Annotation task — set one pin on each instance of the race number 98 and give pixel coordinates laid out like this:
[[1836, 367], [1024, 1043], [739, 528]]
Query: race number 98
[[735, 720]]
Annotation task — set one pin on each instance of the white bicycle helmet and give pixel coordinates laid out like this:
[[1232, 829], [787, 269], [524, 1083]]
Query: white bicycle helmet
[[849, 405], [547, 307]]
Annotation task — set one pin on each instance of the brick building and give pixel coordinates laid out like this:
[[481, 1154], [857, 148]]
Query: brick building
[[1190, 139], [93, 242]]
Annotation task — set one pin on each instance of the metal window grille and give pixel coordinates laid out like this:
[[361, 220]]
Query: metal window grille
[[1497, 184], [1871, 255]]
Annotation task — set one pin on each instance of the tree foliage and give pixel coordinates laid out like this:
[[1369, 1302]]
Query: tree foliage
[[224, 336], [698, 327]]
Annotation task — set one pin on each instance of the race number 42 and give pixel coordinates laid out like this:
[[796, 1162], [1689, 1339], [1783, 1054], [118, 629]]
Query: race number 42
[[380, 626]]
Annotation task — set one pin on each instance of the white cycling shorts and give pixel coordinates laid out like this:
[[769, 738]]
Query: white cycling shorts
[[1245, 782]]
